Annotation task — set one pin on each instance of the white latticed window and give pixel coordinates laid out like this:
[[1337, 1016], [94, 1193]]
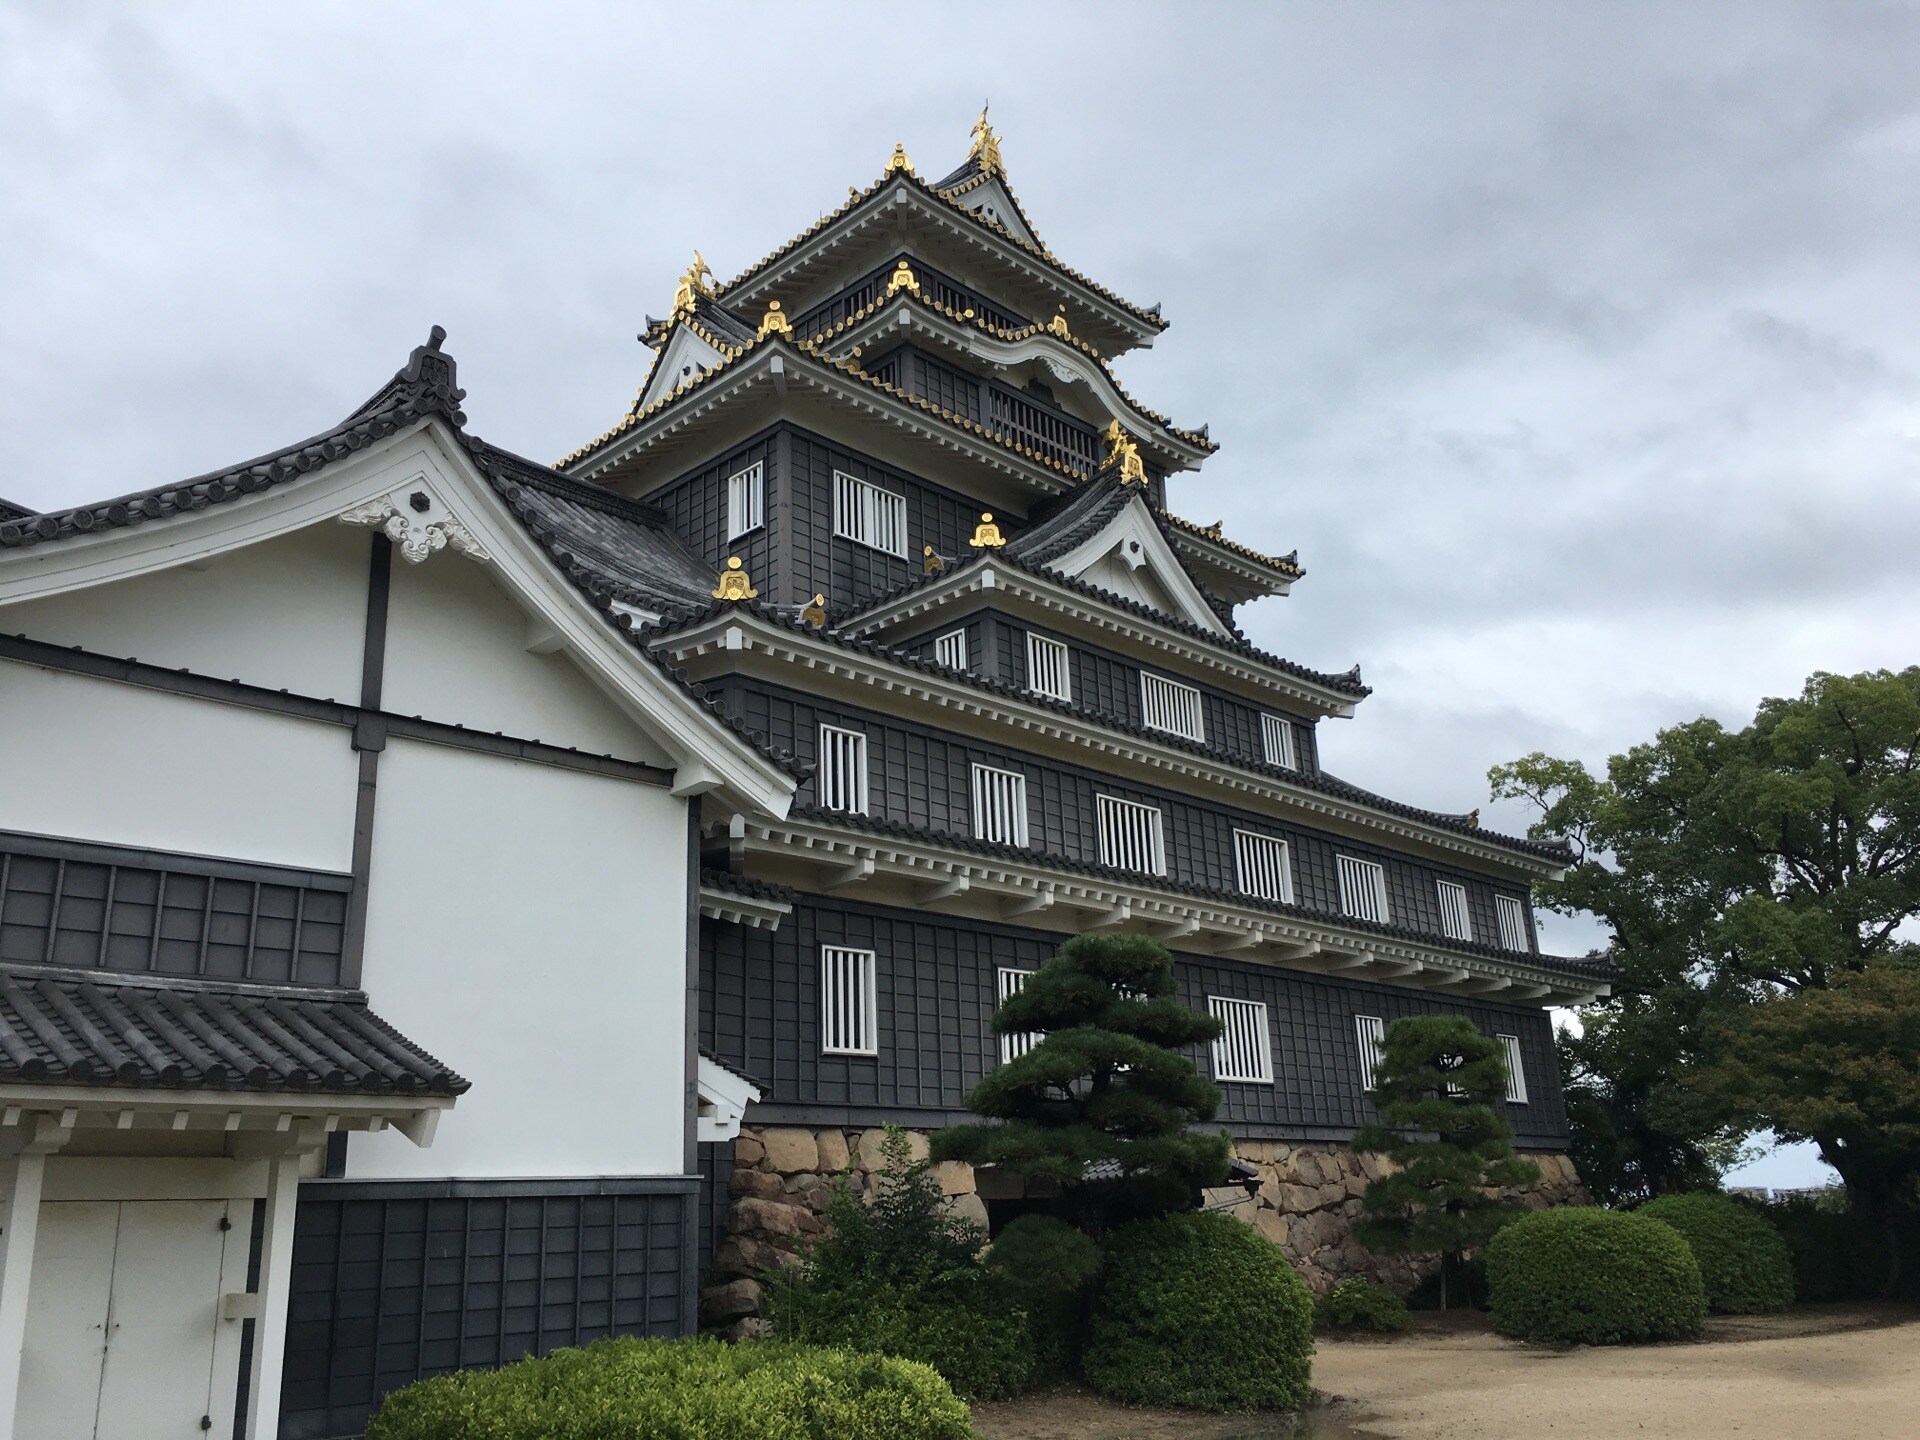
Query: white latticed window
[[840, 779], [1513, 923], [746, 500], [1130, 836], [1516, 1072], [1243, 1053], [1277, 736], [865, 512], [1012, 1047], [999, 805], [1262, 864], [1363, 889], [849, 1023], [950, 650], [1168, 705], [1454, 922], [1047, 670], [1371, 1031]]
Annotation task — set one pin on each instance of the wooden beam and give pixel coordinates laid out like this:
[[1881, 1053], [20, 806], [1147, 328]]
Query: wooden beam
[[1031, 904], [840, 876], [1109, 919], [949, 889]]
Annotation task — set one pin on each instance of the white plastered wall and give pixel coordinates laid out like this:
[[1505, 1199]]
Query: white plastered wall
[[95, 760], [528, 926]]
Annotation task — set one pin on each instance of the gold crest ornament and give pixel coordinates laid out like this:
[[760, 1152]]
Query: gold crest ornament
[[986, 535], [1058, 325], [734, 585], [815, 614], [931, 563], [695, 284], [1125, 454], [903, 279], [985, 153], [774, 322], [898, 161]]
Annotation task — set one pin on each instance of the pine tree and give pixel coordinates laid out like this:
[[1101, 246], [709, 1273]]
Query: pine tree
[[1104, 1086], [1437, 1088]]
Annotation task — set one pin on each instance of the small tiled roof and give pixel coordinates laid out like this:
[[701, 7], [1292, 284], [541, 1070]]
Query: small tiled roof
[[115, 1030], [1587, 968], [11, 511], [746, 885], [1288, 564]]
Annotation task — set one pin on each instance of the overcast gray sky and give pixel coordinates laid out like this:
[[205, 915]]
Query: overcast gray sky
[[1576, 347]]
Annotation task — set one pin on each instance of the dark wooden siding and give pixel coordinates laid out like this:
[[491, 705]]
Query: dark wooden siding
[[759, 1010], [697, 506]]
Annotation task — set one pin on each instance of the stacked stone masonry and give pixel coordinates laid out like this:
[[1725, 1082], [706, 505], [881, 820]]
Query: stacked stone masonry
[[1308, 1199]]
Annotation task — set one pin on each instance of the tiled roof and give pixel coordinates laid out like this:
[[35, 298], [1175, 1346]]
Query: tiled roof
[[1309, 780], [1286, 564], [1586, 968], [746, 885], [11, 511], [110, 1030]]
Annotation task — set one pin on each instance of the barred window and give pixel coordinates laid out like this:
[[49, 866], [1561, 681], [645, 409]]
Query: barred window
[[866, 513], [1371, 1031], [1130, 836], [1168, 705], [746, 500], [1047, 670], [840, 776], [1244, 1051], [1012, 1047], [849, 1022], [950, 650], [1516, 1072], [1363, 889], [1277, 737], [999, 805], [1263, 866], [1455, 924], [1513, 923]]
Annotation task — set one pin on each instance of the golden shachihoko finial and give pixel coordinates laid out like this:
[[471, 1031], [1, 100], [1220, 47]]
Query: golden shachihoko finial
[[1125, 454], [697, 282], [734, 583], [774, 322], [815, 612], [898, 161], [986, 535], [903, 279], [985, 153]]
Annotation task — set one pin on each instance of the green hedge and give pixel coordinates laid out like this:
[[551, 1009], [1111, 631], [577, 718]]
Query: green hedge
[[1048, 1268], [1360, 1304], [1585, 1276], [1836, 1255], [1199, 1311], [1744, 1263], [679, 1390]]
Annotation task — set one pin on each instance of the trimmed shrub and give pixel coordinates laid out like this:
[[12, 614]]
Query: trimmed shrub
[[1199, 1311], [1836, 1255], [1048, 1267], [1744, 1264], [1586, 1276], [679, 1390], [1360, 1304]]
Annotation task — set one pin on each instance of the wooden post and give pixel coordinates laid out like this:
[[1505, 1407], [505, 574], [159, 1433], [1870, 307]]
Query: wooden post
[[19, 1223], [276, 1278]]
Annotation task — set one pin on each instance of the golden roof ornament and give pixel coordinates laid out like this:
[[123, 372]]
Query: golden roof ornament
[[815, 613], [1473, 817], [694, 285], [903, 279], [1125, 454], [1058, 325], [734, 586], [985, 153], [898, 161], [986, 535], [774, 322], [931, 562]]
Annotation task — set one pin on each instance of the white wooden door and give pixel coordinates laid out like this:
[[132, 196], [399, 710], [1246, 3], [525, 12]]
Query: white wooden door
[[67, 1303]]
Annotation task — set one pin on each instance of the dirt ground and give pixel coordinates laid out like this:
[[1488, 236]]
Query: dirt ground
[[1826, 1372]]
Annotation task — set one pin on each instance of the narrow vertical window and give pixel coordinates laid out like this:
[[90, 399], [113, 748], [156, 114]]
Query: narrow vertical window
[[1012, 1047], [1276, 736], [840, 776], [849, 1005], [1363, 889], [1243, 1053], [1130, 837], [1047, 669], [950, 650], [869, 514], [1170, 706], [746, 500], [1371, 1031], [1263, 866], [999, 806], [1513, 923], [1516, 1071], [1455, 924]]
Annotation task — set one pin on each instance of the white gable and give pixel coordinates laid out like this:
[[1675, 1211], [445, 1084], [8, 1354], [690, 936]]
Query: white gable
[[992, 200], [686, 358], [1130, 557]]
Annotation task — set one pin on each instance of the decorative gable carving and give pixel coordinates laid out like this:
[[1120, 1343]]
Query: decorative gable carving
[[1130, 556], [415, 520]]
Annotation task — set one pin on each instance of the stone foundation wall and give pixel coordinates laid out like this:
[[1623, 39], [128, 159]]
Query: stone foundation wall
[[1308, 1199]]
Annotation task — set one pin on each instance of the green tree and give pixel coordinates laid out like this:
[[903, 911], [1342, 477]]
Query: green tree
[[1735, 868], [1437, 1087], [1104, 1085]]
